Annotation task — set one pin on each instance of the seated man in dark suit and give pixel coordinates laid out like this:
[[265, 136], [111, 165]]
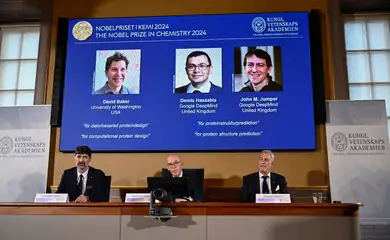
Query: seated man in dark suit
[[83, 183], [174, 166], [199, 69], [264, 181]]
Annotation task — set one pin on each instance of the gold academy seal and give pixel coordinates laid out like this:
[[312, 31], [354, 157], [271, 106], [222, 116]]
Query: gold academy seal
[[82, 30]]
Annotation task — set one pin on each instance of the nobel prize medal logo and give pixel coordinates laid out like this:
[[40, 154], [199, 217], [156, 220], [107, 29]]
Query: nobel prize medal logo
[[259, 24], [82, 30], [339, 141], [6, 145]]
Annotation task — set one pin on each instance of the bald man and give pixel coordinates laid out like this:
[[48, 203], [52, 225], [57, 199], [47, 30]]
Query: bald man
[[174, 166], [263, 181]]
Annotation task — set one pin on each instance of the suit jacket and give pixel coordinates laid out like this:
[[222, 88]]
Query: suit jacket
[[196, 191], [251, 186], [95, 179], [213, 89]]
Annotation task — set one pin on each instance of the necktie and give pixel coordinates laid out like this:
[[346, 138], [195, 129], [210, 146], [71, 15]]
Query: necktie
[[265, 185], [196, 91], [80, 185]]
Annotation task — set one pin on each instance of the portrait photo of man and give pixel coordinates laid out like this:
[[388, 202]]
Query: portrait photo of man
[[255, 71], [201, 73], [121, 72]]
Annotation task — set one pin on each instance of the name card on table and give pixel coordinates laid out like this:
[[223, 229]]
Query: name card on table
[[137, 197], [273, 198], [51, 198]]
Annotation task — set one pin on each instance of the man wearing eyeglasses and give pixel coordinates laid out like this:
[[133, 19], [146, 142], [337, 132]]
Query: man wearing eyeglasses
[[264, 181], [198, 69], [174, 166]]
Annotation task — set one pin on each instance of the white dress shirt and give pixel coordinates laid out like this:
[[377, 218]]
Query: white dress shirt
[[268, 182], [181, 174], [85, 175], [205, 88]]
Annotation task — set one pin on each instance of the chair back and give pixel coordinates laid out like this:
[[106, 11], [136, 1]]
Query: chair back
[[107, 188], [196, 181]]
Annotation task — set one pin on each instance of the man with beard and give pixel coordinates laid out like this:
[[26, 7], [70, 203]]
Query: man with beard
[[116, 73], [198, 69], [258, 65], [263, 181], [83, 183]]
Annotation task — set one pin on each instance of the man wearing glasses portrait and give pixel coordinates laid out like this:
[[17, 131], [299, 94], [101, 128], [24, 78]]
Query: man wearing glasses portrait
[[198, 69], [174, 169]]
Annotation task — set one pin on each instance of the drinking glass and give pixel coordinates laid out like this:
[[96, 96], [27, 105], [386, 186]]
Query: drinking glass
[[319, 197], [315, 197]]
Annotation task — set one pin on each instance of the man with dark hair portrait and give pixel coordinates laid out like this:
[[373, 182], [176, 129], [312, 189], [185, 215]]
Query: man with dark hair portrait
[[83, 183], [198, 69], [116, 73], [258, 65]]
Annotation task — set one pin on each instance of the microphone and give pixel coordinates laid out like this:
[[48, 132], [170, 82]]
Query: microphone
[[88, 190]]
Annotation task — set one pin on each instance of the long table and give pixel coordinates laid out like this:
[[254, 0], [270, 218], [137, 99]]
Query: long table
[[198, 221]]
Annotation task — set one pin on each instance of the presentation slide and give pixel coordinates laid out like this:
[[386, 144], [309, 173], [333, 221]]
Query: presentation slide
[[232, 82]]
